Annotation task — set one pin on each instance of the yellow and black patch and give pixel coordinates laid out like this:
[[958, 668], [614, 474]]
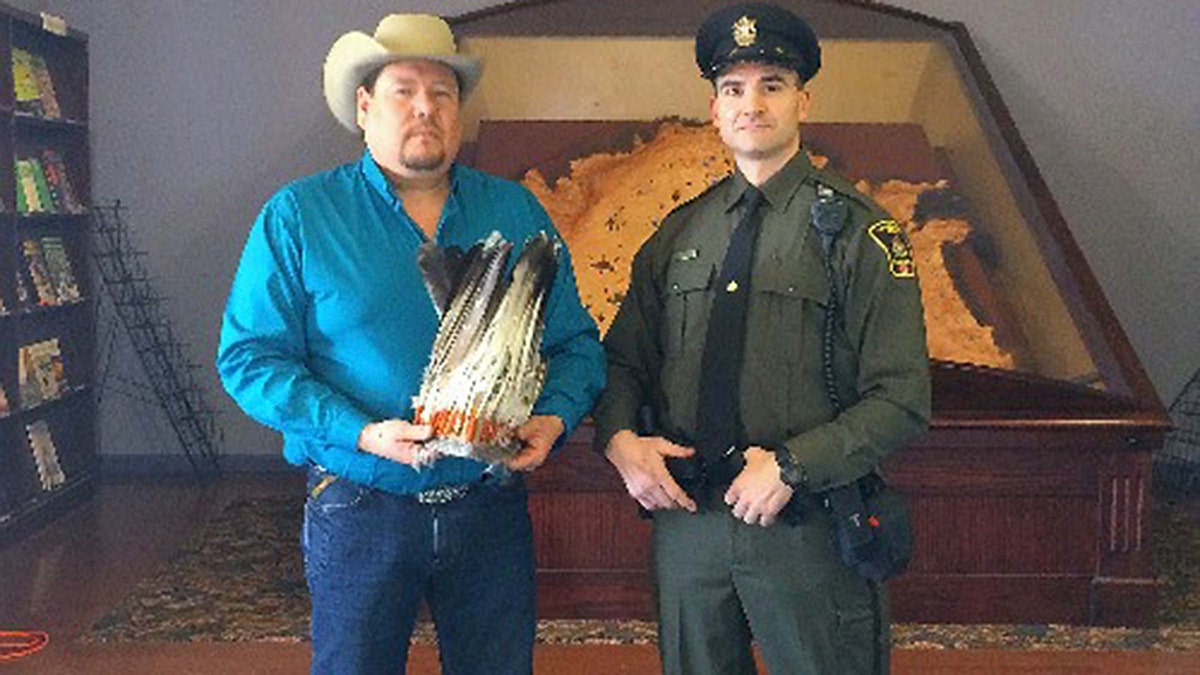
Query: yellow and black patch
[[891, 238]]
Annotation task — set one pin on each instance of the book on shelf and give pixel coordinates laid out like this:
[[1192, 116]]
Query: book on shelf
[[58, 265], [45, 197], [28, 200], [53, 185], [56, 176], [21, 202], [28, 387], [33, 86], [43, 185], [45, 455], [40, 375], [45, 85], [25, 83], [21, 289], [35, 264]]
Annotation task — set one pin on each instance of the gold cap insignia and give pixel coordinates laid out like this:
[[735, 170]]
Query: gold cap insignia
[[745, 31]]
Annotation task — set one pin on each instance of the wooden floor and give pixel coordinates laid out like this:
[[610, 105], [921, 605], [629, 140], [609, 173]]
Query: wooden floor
[[64, 576]]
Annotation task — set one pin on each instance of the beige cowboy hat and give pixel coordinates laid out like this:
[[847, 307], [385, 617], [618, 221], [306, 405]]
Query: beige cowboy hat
[[398, 37]]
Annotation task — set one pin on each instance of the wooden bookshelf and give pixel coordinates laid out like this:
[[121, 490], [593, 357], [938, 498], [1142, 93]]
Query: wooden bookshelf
[[45, 189]]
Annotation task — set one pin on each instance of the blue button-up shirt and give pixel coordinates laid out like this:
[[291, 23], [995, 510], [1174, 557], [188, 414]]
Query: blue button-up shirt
[[329, 325]]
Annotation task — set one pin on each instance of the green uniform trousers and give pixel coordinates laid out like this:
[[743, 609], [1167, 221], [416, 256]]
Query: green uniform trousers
[[722, 583]]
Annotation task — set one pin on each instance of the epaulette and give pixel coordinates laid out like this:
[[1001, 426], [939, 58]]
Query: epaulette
[[844, 188]]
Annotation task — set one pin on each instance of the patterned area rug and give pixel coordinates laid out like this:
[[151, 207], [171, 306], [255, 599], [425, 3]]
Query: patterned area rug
[[242, 579]]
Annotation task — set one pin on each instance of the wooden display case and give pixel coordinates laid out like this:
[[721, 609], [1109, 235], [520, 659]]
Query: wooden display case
[[47, 332], [1031, 490]]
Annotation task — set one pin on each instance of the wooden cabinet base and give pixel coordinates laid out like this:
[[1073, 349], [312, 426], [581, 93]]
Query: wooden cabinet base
[[1014, 525]]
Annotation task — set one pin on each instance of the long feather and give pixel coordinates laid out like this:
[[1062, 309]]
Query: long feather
[[435, 270], [486, 370]]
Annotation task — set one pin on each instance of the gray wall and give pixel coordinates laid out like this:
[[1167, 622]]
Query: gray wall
[[200, 110]]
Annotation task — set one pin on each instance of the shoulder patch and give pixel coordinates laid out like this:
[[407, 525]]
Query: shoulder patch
[[891, 238]]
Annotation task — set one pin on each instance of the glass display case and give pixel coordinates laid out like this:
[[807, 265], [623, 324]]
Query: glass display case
[[1044, 419]]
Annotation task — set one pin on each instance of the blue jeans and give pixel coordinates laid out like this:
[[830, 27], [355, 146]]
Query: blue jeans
[[371, 557]]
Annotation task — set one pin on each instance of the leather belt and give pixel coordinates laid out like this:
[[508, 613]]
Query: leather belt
[[443, 494]]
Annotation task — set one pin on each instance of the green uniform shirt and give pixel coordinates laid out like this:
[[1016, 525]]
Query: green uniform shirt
[[656, 341]]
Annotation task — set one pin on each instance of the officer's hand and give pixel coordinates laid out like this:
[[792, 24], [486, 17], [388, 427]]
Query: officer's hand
[[758, 494], [642, 463], [397, 440], [537, 436]]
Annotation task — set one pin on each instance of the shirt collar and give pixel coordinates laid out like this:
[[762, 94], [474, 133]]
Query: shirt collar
[[379, 180], [779, 189]]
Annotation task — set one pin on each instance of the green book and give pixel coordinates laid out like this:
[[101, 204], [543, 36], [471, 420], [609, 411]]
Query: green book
[[22, 203], [43, 189], [52, 186]]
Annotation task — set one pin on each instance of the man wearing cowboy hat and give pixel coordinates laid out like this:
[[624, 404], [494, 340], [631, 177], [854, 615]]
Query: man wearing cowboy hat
[[325, 337], [722, 410]]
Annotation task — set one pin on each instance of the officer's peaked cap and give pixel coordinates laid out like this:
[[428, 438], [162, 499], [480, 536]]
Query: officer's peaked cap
[[759, 32]]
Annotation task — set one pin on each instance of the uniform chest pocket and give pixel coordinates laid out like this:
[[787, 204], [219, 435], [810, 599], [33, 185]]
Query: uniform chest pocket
[[789, 305], [687, 298]]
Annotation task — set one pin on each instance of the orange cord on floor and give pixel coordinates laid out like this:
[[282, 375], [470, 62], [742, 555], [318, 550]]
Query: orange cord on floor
[[21, 643]]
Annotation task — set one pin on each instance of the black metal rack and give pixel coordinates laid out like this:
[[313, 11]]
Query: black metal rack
[[169, 371], [1178, 461]]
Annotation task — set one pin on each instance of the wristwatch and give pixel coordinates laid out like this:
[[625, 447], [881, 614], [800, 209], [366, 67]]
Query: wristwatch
[[791, 472]]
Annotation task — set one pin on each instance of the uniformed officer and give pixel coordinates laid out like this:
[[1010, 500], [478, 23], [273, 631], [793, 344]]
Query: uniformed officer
[[729, 410]]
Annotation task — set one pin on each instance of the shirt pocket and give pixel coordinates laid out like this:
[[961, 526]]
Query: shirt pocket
[[783, 350], [687, 300], [791, 303]]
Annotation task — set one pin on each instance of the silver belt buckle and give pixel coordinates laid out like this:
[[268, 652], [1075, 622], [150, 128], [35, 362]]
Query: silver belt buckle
[[441, 495]]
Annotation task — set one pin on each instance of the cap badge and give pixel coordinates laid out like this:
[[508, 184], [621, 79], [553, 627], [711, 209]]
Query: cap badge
[[745, 31]]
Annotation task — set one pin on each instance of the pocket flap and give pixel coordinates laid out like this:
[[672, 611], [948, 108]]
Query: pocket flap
[[686, 276], [794, 281]]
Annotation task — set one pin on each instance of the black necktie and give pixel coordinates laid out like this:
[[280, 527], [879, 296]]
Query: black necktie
[[718, 420]]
